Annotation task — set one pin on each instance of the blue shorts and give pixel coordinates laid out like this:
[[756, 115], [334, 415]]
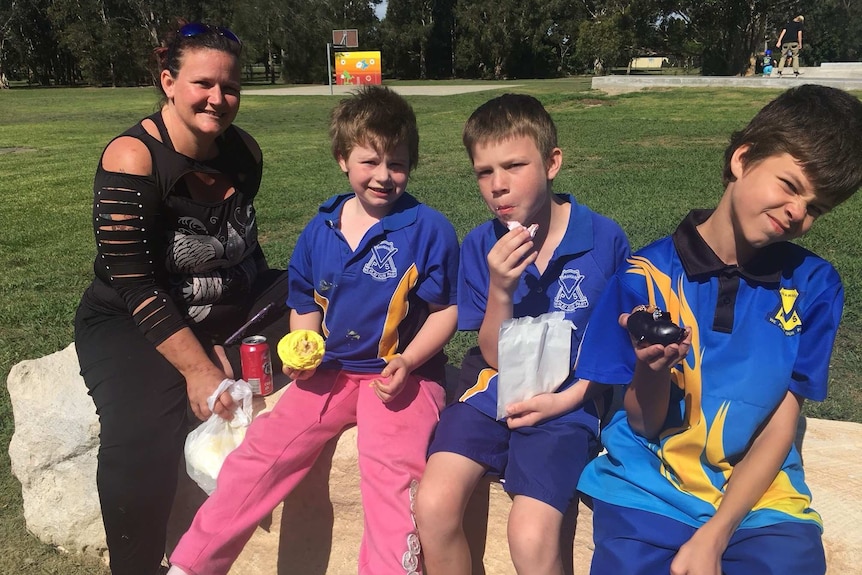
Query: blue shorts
[[542, 461], [637, 542]]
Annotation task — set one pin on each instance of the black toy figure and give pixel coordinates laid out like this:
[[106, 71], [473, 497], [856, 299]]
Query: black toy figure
[[652, 325]]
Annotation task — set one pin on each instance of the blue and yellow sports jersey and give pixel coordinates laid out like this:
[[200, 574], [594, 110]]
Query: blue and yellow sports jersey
[[591, 250], [374, 299], [757, 332]]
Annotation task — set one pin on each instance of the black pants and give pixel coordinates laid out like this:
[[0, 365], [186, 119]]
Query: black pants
[[143, 411]]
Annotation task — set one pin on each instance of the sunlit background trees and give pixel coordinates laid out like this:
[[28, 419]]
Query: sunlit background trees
[[110, 42]]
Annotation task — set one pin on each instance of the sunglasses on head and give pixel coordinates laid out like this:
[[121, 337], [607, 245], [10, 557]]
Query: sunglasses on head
[[197, 28]]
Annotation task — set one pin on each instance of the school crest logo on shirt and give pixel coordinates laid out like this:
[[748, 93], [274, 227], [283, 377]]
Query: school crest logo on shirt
[[380, 265], [786, 316], [569, 296]]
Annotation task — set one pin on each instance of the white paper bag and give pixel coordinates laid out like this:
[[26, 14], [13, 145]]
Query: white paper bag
[[533, 354]]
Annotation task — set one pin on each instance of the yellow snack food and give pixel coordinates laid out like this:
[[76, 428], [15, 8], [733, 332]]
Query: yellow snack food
[[301, 349]]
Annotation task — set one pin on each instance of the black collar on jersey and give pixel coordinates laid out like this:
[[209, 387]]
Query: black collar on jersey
[[701, 263]]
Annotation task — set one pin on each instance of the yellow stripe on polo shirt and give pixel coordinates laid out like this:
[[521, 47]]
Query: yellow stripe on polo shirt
[[399, 306]]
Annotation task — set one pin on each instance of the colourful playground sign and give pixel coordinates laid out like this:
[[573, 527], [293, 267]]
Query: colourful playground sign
[[356, 68]]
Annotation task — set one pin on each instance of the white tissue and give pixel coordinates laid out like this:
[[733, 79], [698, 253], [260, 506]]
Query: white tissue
[[532, 229]]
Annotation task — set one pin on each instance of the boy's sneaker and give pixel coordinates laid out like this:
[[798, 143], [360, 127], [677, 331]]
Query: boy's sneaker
[[779, 73]]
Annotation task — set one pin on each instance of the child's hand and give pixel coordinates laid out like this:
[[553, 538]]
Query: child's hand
[[392, 379], [295, 374], [700, 555], [534, 410], [659, 357], [509, 257], [301, 352]]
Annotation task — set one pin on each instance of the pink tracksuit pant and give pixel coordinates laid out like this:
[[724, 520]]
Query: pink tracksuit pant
[[280, 448]]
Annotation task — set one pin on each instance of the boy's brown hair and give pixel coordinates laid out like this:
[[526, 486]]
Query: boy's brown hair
[[511, 116], [377, 117], [820, 127]]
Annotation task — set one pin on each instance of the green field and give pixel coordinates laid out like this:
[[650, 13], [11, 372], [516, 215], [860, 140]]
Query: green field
[[643, 159]]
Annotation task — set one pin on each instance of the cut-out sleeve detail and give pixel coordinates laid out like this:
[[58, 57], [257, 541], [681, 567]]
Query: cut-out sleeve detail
[[125, 223]]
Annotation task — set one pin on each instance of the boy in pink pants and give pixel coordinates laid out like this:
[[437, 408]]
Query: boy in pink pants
[[375, 273]]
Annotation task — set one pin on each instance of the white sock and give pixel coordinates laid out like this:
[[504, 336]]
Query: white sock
[[174, 570]]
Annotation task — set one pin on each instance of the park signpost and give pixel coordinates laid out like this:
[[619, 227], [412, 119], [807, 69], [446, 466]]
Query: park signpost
[[341, 39], [352, 68]]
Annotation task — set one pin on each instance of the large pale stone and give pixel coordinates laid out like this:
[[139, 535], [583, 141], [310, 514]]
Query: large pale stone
[[832, 455], [318, 529], [53, 451]]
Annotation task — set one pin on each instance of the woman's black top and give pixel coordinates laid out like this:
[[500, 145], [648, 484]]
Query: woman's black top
[[193, 262]]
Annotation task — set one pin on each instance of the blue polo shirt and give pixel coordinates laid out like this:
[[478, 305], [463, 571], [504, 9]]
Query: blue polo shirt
[[591, 250], [758, 330], [374, 299]]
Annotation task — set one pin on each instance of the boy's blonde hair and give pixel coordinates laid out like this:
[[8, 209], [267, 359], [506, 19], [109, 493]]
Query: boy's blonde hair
[[511, 116], [377, 117]]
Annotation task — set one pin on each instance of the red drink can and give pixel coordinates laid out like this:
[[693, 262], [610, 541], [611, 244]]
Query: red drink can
[[256, 364]]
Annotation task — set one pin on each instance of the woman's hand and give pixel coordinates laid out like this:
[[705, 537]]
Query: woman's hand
[[203, 372], [200, 387]]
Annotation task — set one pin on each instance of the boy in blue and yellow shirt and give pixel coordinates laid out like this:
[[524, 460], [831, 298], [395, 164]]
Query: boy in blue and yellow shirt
[[701, 474]]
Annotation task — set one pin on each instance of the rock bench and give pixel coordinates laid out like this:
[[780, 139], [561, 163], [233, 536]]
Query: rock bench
[[317, 529]]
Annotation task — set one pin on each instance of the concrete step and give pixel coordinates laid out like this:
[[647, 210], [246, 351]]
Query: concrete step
[[852, 71], [622, 84], [855, 66]]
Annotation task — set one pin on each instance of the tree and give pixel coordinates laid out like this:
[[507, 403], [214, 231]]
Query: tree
[[564, 21], [614, 33], [604, 42], [504, 39], [677, 39], [300, 30], [415, 34], [110, 42], [7, 18], [729, 32], [43, 60], [106, 39], [263, 26], [833, 31]]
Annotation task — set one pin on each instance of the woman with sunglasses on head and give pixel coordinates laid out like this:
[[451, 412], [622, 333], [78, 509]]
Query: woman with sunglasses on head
[[178, 271]]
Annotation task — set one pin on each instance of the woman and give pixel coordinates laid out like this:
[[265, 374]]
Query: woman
[[178, 270]]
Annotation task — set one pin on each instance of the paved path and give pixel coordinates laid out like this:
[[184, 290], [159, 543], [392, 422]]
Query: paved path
[[430, 90], [609, 84]]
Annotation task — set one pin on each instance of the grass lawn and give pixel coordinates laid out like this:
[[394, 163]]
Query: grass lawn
[[643, 159]]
